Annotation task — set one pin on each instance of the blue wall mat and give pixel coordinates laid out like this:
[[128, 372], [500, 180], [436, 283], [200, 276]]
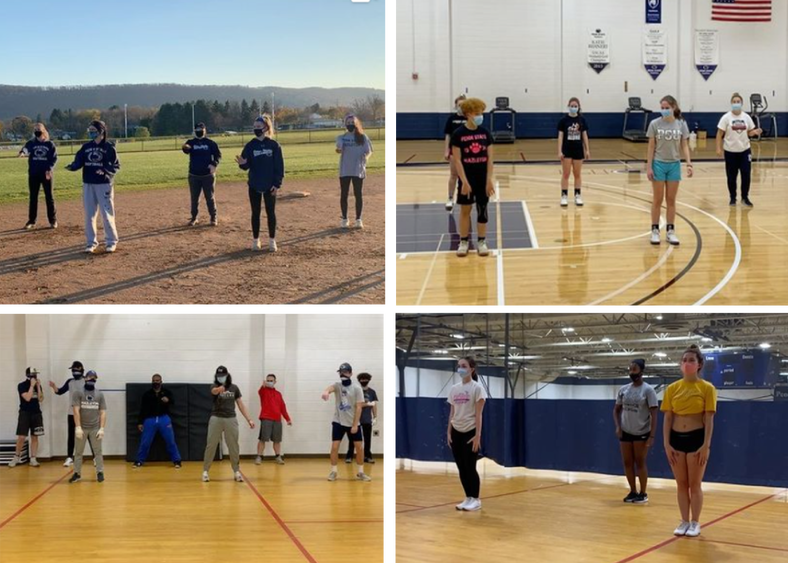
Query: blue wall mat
[[544, 125], [749, 445]]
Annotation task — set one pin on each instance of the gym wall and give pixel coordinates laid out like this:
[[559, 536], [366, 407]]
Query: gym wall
[[505, 47], [303, 350]]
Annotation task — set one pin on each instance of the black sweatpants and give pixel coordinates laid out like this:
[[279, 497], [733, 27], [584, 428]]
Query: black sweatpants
[[205, 185], [465, 458], [344, 184], [256, 199], [736, 162], [366, 430], [71, 431], [35, 182]]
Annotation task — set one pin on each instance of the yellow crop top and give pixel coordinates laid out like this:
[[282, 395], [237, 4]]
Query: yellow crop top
[[685, 397]]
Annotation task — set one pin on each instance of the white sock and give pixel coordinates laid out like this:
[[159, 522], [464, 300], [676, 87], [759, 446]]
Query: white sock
[[334, 468], [360, 468]]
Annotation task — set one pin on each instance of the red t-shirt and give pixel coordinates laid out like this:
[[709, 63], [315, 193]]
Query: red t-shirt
[[272, 405]]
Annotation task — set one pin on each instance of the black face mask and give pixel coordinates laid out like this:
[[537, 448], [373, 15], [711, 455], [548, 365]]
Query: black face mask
[[346, 381], [157, 386], [635, 377], [90, 385], [199, 132], [364, 383], [351, 128], [38, 134], [77, 374], [259, 132]]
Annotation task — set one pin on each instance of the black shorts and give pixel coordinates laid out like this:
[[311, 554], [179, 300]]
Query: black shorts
[[626, 437], [687, 442], [478, 194], [573, 153], [338, 432], [30, 422]]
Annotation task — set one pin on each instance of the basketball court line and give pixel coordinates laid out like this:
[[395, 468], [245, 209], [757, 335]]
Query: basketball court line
[[429, 271], [772, 234], [635, 281], [499, 255], [33, 500], [750, 545]]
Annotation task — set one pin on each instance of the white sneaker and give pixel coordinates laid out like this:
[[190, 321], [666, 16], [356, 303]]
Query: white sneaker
[[238, 477], [111, 248], [205, 477], [463, 504], [332, 476], [474, 504], [363, 477], [34, 462], [681, 529], [344, 224], [258, 460], [90, 249], [481, 248], [256, 244], [578, 200], [672, 238], [69, 462], [449, 204], [694, 530], [14, 461], [462, 250], [272, 246], [654, 236], [279, 460], [564, 200], [94, 462], [359, 224]]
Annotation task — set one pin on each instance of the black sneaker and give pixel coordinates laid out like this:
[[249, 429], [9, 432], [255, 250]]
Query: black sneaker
[[631, 497], [75, 477], [192, 221], [177, 465], [29, 226], [214, 221], [746, 201], [642, 498], [136, 465], [100, 477], [53, 225], [732, 202]]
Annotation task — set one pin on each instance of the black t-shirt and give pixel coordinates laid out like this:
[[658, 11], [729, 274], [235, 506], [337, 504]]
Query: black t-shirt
[[28, 406], [473, 145], [573, 129], [454, 122]]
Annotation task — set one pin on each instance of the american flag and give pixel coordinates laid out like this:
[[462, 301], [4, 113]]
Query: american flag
[[741, 10]]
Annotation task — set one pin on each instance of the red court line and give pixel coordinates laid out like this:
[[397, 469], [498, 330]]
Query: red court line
[[376, 521], [703, 525], [408, 159], [281, 522], [523, 157], [745, 545], [413, 505], [41, 494]]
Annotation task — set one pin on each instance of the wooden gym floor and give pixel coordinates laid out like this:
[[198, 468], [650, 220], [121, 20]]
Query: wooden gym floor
[[157, 514], [579, 517], [598, 254]]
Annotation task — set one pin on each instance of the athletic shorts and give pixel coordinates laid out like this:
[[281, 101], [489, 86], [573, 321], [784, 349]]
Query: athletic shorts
[[627, 437], [478, 195], [271, 431], [687, 442], [574, 153], [30, 422], [338, 432], [666, 171]]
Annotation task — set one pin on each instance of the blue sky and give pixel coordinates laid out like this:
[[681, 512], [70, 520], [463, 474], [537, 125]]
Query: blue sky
[[289, 43]]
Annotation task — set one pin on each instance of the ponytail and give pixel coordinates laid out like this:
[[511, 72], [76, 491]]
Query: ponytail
[[676, 109]]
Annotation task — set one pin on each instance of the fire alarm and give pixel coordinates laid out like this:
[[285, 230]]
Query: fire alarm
[[415, 76]]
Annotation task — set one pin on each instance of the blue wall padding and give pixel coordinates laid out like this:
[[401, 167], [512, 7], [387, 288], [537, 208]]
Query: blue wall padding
[[749, 446]]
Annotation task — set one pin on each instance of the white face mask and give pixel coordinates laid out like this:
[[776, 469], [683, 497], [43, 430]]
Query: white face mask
[[221, 379], [270, 383], [462, 372]]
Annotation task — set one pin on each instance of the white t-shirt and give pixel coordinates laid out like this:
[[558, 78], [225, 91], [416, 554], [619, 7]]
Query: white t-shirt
[[736, 127], [464, 397]]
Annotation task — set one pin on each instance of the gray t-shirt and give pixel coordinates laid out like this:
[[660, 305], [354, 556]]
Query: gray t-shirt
[[224, 403], [346, 400], [90, 404], [668, 137], [636, 400], [353, 160]]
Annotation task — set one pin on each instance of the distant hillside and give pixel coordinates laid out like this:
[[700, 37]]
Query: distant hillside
[[30, 101]]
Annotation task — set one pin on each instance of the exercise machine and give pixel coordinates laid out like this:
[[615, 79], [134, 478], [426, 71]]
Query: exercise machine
[[502, 121], [636, 135]]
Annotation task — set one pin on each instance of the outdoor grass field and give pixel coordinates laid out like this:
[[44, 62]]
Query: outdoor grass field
[[166, 168]]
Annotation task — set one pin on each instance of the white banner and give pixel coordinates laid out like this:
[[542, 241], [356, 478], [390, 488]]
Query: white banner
[[598, 50], [655, 51], [707, 51]]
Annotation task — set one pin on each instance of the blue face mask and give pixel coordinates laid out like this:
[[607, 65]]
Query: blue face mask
[[93, 135], [462, 372], [478, 119], [666, 112], [221, 379], [736, 107], [573, 110]]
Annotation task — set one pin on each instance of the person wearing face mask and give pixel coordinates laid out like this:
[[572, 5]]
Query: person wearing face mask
[[667, 141], [472, 154], [635, 416], [41, 156], [204, 158], [572, 150], [262, 157], [355, 149], [733, 133], [30, 421], [464, 434], [90, 418], [155, 417], [349, 400], [454, 122], [71, 386], [224, 421], [272, 410], [99, 162], [369, 417]]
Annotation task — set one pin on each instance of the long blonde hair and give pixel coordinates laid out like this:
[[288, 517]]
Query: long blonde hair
[[265, 118], [45, 133]]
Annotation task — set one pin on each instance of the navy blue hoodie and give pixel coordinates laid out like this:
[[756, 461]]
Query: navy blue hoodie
[[265, 164], [93, 157], [203, 153], [41, 156]]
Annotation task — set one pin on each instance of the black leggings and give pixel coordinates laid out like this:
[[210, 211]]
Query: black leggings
[[344, 184], [71, 430], [35, 182], [256, 199], [465, 458], [736, 162]]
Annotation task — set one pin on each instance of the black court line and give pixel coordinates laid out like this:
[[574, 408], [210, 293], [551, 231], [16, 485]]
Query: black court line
[[409, 159], [636, 159]]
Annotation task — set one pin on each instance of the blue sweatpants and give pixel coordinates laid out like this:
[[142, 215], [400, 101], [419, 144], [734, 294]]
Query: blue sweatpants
[[162, 424]]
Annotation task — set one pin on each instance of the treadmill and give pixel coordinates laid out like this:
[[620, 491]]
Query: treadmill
[[630, 133], [502, 121]]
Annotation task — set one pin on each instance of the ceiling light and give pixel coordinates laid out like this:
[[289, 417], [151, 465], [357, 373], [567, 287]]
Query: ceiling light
[[660, 354], [606, 339], [764, 345], [457, 336]]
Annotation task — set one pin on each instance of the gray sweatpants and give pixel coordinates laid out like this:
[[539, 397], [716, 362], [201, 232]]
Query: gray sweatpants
[[95, 443], [99, 198], [217, 425]]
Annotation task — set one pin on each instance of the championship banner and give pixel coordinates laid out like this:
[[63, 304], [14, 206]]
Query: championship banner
[[653, 11], [655, 51], [598, 50], [707, 51]]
